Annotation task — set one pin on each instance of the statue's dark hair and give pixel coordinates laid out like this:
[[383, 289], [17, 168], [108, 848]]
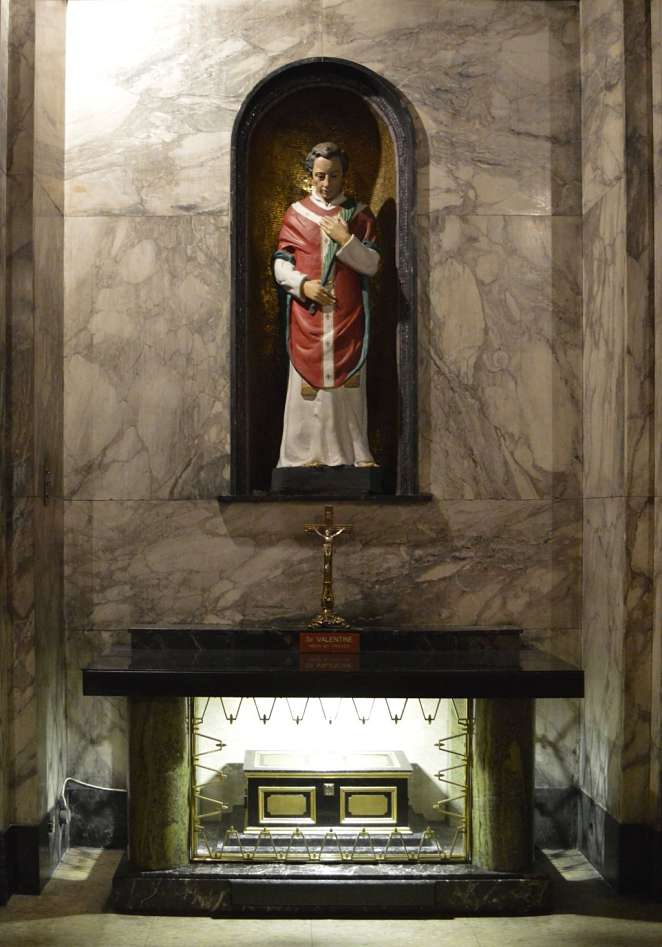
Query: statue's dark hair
[[329, 150]]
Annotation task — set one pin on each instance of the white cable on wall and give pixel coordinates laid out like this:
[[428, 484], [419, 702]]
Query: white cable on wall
[[80, 782]]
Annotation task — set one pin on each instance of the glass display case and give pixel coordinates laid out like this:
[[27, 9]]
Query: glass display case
[[330, 779]]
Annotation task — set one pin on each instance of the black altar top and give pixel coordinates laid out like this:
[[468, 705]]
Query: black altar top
[[266, 662]]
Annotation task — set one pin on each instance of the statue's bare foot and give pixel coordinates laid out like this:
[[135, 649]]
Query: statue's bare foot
[[366, 463], [313, 463]]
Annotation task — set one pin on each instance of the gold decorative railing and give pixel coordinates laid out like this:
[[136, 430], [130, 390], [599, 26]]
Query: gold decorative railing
[[212, 839]]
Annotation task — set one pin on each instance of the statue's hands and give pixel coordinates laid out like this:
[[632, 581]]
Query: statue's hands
[[336, 228], [313, 289]]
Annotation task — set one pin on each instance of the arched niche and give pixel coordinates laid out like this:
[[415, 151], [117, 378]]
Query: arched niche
[[284, 115]]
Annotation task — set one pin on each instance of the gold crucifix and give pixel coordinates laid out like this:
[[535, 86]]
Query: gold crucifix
[[328, 531]]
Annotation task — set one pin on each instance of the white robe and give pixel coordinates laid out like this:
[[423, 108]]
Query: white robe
[[332, 428]]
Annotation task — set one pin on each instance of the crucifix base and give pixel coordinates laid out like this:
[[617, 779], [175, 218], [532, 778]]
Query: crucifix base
[[322, 481]]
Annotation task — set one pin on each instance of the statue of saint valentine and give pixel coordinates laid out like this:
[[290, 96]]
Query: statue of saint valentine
[[325, 256]]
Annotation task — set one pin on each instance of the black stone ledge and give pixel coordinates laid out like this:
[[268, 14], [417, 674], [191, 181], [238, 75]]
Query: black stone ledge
[[273, 681], [488, 643], [387, 499], [225, 890]]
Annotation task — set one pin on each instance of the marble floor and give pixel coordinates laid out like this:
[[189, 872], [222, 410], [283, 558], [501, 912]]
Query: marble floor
[[71, 912]]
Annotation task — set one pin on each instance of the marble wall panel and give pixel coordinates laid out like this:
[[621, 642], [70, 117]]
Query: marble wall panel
[[4, 72], [656, 659], [48, 350], [640, 365], [655, 781], [656, 86], [604, 345], [147, 357], [20, 88], [602, 645], [50, 649], [20, 277], [78, 564], [637, 654], [557, 720], [25, 786], [6, 699], [6, 637], [474, 562], [96, 726], [152, 95], [618, 603], [50, 32], [501, 357], [495, 87], [603, 97]]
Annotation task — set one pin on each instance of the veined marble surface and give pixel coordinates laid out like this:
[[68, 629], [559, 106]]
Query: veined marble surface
[[35, 273], [656, 658], [147, 357], [48, 234], [604, 345], [152, 95], [617, 595], [655, 781], [97, 749], [602, 647], [20, 276], [619, 546], [20, 108], [500, 357], [637, 648], [603, 97], [640, 187], [557, 720], [460, 562], [656, 85], [49, 97], [495, 87], [4, 66], [24, 715]]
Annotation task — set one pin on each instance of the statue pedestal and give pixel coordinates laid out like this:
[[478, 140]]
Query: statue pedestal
[[327, 481]]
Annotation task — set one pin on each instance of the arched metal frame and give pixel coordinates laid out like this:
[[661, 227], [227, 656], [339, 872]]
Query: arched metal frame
[[392, 107]]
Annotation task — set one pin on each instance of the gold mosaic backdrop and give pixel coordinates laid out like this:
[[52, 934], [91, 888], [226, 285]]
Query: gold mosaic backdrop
[[276, 179]]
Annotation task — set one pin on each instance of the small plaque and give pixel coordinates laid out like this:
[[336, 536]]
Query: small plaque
[[329, 662], [329, 642]]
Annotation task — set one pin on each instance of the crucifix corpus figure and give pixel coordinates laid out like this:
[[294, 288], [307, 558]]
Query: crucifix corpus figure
[[328, 532], [326, 252]]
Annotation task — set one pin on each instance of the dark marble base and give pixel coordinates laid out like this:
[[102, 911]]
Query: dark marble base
[[29, 854], [226, 890], [23, 858], [555, 817], [326, 481], [6, 886], [98, 817], [623, 853]]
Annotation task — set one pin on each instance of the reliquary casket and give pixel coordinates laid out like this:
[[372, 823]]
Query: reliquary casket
[[324, 791]]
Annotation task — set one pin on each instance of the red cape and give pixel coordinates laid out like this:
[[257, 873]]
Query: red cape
[[303, 238]]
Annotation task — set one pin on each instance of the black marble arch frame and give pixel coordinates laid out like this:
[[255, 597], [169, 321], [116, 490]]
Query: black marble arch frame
[[389, 102]]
